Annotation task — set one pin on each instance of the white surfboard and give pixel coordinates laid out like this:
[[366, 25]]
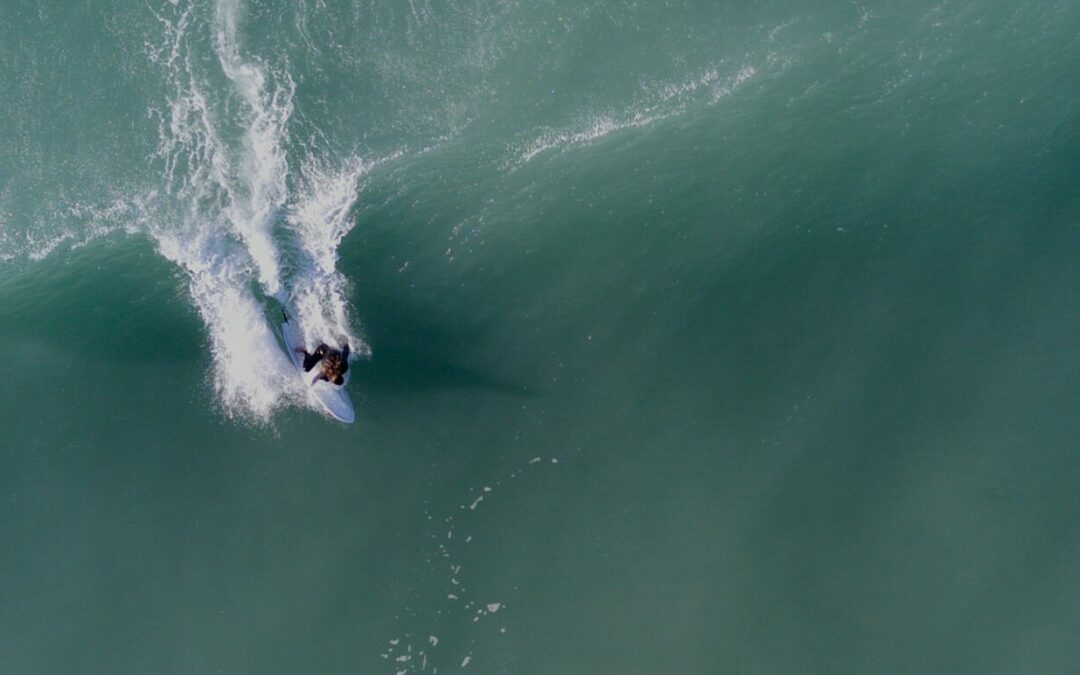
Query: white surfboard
[[331, 397]]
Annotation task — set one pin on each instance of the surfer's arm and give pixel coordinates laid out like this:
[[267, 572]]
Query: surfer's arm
[[311, 359], [320, 376]]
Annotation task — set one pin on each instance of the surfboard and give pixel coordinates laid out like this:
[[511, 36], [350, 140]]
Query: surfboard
[[332, 398]]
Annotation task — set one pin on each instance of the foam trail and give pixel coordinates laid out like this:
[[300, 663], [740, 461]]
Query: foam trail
[[217, 216], [263, 168]]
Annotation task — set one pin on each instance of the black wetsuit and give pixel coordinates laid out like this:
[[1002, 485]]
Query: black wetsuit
[[337, 362]]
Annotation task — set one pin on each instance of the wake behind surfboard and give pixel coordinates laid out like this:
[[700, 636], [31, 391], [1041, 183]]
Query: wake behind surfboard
[[333, 399]]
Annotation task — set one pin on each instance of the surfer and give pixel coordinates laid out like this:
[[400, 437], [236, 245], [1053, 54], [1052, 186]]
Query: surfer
[[335, 363]]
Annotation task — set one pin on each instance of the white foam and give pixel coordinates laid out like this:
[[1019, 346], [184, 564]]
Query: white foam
[[658, 103], [41, 248], [86, 224], [252, 376], [680, 89], [263, 168], [592, 131], [745, 74]]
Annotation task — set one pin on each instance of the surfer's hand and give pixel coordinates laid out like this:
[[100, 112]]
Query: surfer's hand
[[300, 350]]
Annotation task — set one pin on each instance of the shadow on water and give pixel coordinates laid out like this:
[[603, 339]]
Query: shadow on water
[[427, 333], [397, 369], [411, 353]]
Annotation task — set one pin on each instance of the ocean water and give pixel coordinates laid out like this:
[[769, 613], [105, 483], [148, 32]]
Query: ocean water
[[696, 337]]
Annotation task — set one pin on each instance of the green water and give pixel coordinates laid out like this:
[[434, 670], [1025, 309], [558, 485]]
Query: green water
[[705, 337]]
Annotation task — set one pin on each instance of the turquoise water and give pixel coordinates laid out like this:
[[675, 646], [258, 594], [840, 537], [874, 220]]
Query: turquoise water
[[700, 337]]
